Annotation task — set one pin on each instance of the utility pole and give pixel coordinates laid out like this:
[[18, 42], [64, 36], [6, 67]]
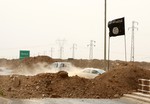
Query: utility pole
[[73, 50], [39, 53], [52, 50], [91, 45], [105, 20], [61, 47], [61, 52], [44, 52], [132, 39]]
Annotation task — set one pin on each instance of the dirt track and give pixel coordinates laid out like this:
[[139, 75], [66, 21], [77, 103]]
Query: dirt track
[[122, 78]]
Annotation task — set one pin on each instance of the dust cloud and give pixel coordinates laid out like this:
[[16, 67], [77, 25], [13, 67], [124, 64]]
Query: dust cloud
[[45, 68]]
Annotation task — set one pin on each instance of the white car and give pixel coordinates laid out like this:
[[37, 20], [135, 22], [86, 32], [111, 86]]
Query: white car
[[90, 72], [61, 66], [93, 70]]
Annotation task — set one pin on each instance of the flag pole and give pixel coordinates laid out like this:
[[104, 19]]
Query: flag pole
[[108, 53], [125, 48], [105, 9]]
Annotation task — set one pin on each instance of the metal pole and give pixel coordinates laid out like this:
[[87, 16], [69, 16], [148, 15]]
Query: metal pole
[[73, 51], [132, 47], [51, 52], [105, 12], [108, 53], [125, 48], [90, 50], [61, 51], [90, 53]]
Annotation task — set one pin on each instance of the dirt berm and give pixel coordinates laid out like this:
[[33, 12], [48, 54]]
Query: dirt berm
[[112, 84]]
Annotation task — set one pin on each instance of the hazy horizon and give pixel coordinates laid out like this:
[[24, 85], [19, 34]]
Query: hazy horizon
[[39, 25]]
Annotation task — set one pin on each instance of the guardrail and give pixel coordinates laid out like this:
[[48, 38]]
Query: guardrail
[[144, 86]]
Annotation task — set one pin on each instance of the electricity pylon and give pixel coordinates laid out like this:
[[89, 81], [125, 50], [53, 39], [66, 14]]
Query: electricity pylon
[[74, 47], [91, 45], [132, 39], [52, 50], [61, 47]]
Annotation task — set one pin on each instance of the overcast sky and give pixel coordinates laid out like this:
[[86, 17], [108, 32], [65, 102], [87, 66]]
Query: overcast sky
[[39, 25]]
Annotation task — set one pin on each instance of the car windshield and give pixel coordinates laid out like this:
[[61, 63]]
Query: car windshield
[[87, 71], [95, 72]]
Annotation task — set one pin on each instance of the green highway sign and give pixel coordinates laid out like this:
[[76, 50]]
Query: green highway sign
[[24, 54]]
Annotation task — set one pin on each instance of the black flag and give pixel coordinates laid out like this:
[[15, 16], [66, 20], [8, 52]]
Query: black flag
[[116, 27]]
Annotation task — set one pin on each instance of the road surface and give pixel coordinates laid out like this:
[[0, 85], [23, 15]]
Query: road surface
[[68, 101]]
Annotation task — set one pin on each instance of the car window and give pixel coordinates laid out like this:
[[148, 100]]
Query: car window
[[55, 65], [86, 71], [95, 72]]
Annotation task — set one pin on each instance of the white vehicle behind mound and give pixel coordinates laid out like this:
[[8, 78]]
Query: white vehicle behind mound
[[61, 66], [93, 71], [90, 73]]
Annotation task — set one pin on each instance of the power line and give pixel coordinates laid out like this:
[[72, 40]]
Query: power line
[[91, 45], [132, 39]]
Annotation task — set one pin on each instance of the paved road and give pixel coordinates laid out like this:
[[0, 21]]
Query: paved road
[[67, 101]]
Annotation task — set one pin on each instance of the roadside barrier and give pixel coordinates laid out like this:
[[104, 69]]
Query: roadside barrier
[[144, 86]]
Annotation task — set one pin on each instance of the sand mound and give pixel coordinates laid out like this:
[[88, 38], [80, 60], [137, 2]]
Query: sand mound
[[112, 84], [35, 60]]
